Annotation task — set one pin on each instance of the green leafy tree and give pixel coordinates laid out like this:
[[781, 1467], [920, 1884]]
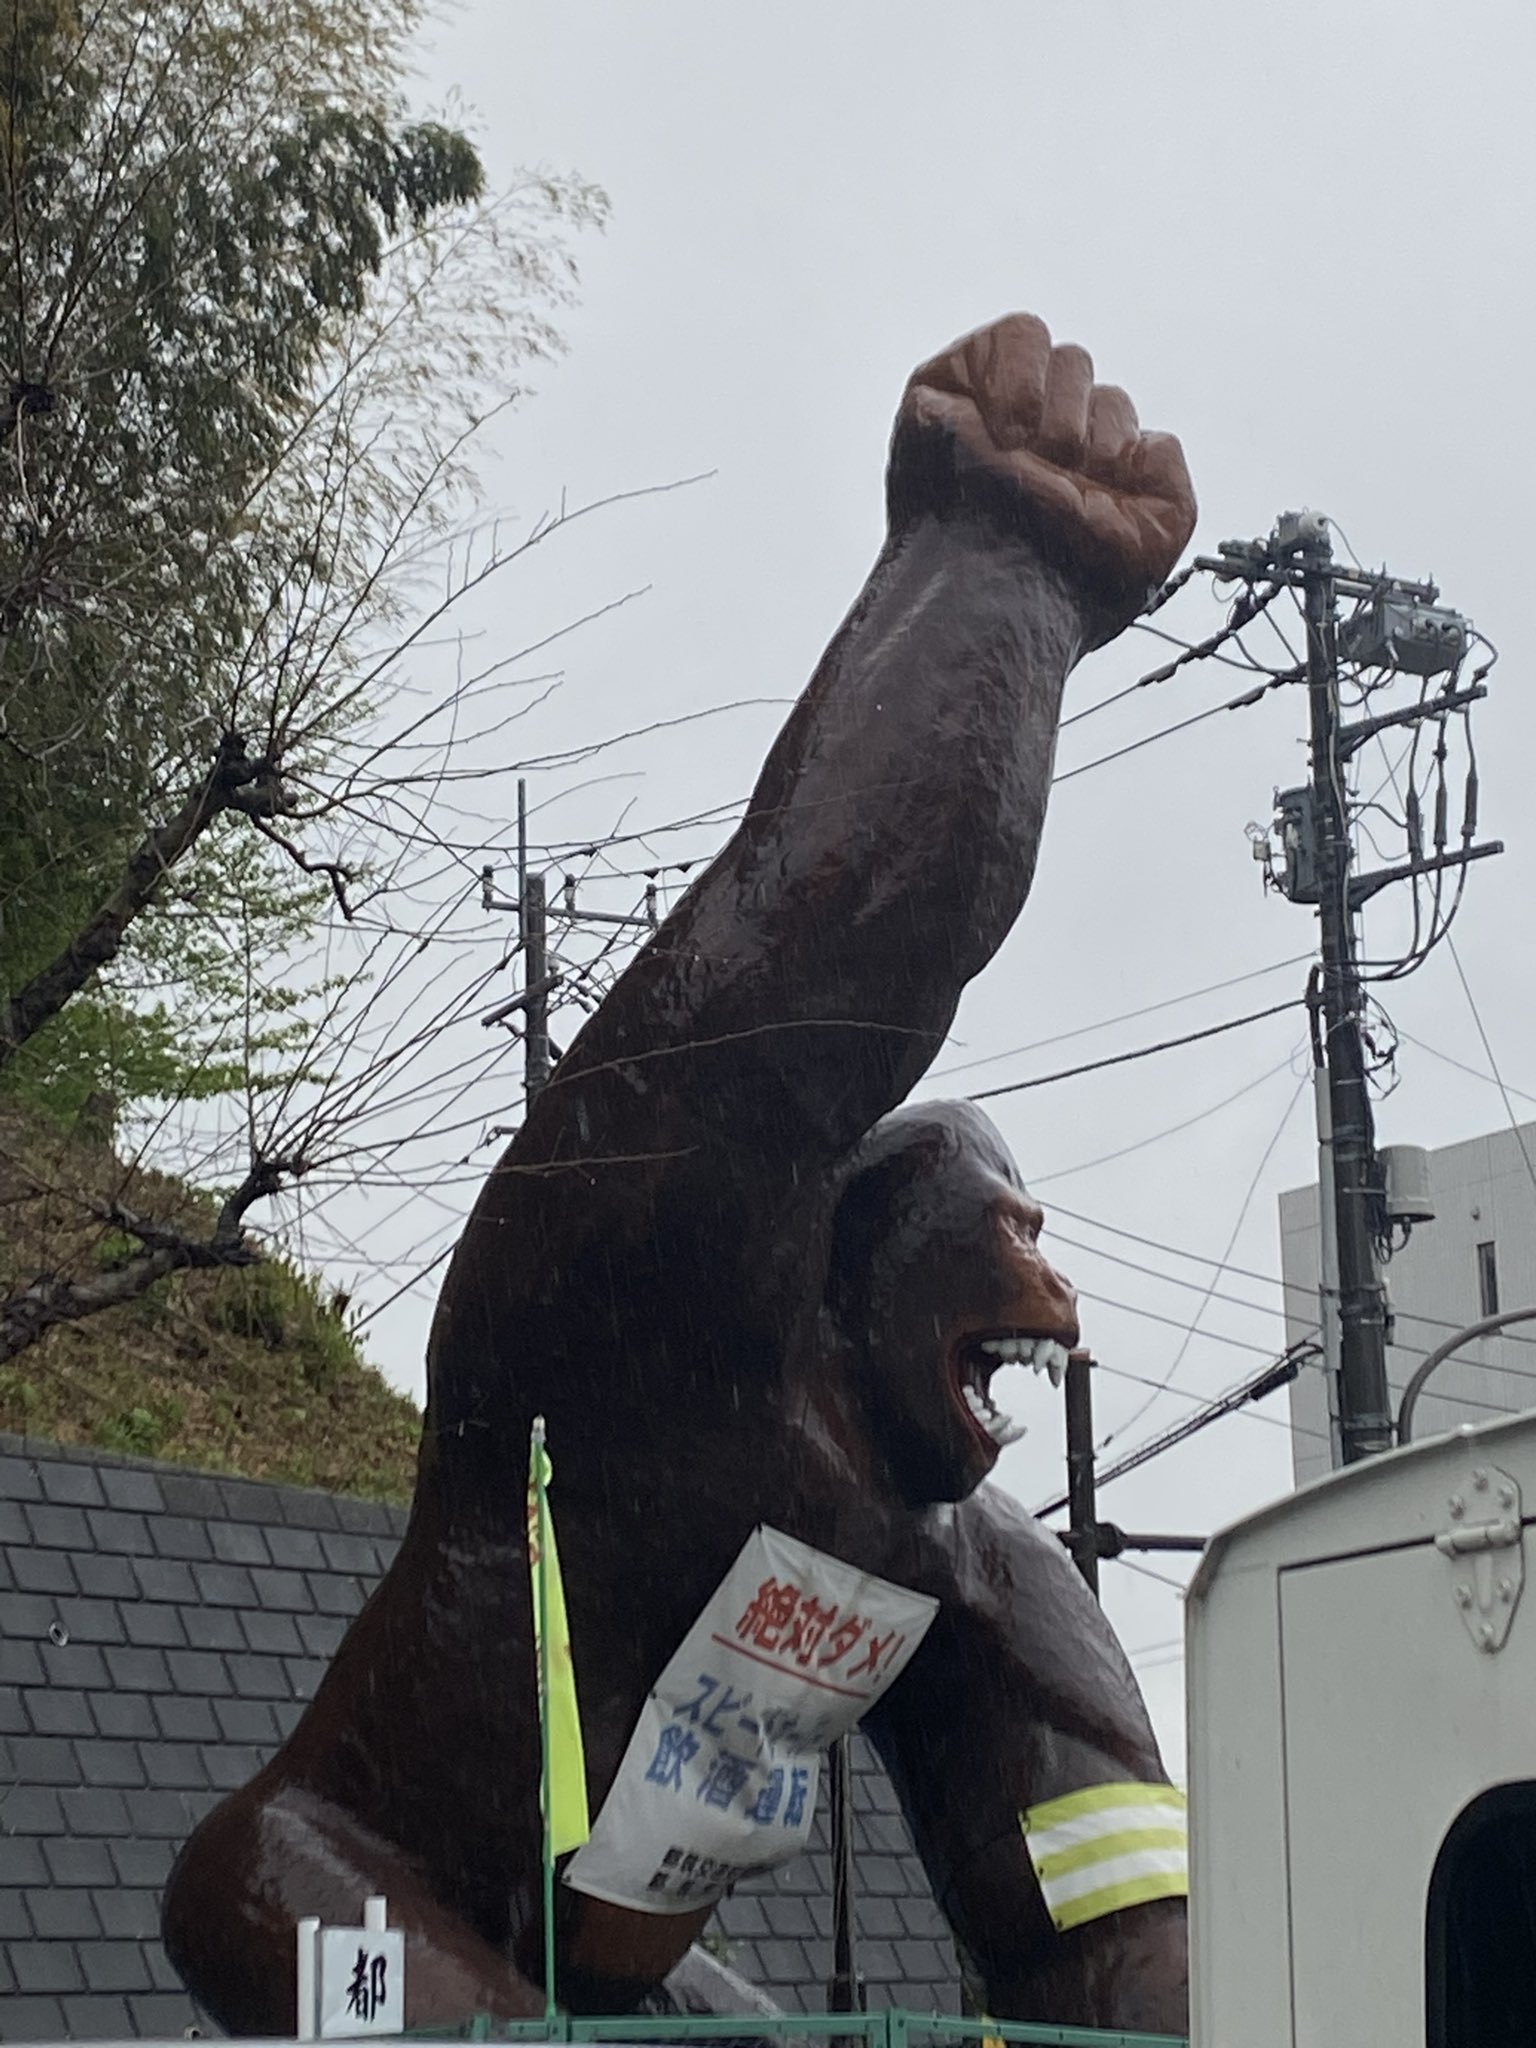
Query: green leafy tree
[[253, 318]]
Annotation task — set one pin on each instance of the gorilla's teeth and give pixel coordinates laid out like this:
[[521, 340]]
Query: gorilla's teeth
[[1055, 1361], [1041, 1354], [977, 1403], [1003, 1430], [1011, 1350]]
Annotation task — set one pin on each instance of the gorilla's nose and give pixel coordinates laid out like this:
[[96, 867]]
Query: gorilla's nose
[[1041, 1300], [1069, 1330]]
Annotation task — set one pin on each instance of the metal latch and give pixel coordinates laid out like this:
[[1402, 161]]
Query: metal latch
[[1489, 1555]]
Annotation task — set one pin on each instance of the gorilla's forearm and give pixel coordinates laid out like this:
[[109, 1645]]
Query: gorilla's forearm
[[809, 977], [796, 994]]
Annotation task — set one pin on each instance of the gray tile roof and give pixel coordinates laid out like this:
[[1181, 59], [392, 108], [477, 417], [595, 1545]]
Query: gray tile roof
[[160, 1631]]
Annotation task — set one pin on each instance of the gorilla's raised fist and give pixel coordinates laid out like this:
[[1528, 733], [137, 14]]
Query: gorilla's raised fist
[[1007, 425]]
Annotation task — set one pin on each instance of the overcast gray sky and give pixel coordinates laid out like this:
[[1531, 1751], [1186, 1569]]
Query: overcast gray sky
[[1301, 239]]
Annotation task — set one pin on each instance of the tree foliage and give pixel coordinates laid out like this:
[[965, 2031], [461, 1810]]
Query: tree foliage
[[252, 315]]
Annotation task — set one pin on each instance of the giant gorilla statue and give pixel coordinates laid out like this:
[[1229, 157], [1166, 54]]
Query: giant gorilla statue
[[742, 1290]]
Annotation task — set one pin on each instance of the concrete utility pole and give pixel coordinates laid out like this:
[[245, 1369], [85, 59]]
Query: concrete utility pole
[[531, 906], [1082, 1506], [540, 980], [1365, 1402], [1398, 627], [1085, 1536], [533, 909]]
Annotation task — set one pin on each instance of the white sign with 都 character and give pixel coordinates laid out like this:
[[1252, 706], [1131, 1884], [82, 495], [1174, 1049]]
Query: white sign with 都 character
[[349, 1980], [362, 1982], [720, 1775]]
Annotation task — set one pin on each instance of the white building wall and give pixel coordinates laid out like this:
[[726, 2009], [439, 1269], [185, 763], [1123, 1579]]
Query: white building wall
[[1484, 1192]]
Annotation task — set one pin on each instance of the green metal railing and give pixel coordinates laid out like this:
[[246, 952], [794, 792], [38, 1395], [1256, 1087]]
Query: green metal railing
[[895, 2028]]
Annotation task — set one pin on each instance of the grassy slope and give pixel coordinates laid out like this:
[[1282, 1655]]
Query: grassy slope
[[250, 1371]]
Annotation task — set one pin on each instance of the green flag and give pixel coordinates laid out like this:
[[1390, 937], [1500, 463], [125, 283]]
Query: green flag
[[566, 1820]]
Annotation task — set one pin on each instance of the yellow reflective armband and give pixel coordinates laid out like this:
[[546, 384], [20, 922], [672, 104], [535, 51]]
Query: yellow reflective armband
[[1108, 1847]]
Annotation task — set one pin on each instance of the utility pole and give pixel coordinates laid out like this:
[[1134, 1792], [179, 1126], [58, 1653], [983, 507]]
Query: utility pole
[[1082, 1506], [536, 968], [540, 978], [531, 925], [1085, 1536], [1365, 1404], [845, 1991], [531, 905], [1399, 627]]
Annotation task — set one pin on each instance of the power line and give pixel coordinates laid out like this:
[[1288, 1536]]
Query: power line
[[1041, 1081], [1242, 1215], [1154, 1649], [1197, 718], [415, 1280], [1040, 1180], [1146, 1571], [1235, 1401], [1178, 1323], [1486, 1407], [1268, 1380], [720, 813], [1247, 665], [1461, 1067], [1173, 1251], [1125, 1017], [1153, 1244], [1509, 1107], [1259, 1308], [1141, 1052], [1168, 591], [1190, 652]]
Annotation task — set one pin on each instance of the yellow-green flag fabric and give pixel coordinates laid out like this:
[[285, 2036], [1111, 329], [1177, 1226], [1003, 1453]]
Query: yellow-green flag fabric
[[569, 1821]]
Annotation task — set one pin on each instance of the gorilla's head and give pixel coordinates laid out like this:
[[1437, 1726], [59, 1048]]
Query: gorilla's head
[[936, 1279]]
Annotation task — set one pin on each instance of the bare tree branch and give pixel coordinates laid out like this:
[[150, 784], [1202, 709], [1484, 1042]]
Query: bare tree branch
[[235, 783], [338, 876], [31, 1311]]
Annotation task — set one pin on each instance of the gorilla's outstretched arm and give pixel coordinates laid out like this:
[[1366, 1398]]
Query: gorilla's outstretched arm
[[805, 982]]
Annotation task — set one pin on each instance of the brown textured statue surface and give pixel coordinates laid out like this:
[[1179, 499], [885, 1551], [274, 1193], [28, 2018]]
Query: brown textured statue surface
[[738, 1300]]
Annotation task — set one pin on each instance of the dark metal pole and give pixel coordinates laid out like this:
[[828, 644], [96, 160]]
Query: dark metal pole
[[1364, 1402], [535, 967], [1082, 1524], [533, 931], [843, 1992]]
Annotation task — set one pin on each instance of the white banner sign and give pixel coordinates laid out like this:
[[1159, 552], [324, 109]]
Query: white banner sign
[[362, 1982], [720, 1775]]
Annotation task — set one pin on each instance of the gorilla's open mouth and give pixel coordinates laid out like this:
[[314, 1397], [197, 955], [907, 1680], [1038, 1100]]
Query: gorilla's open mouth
[[974, 1358]]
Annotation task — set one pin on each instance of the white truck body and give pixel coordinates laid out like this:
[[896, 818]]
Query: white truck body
[[1362, 1678]]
